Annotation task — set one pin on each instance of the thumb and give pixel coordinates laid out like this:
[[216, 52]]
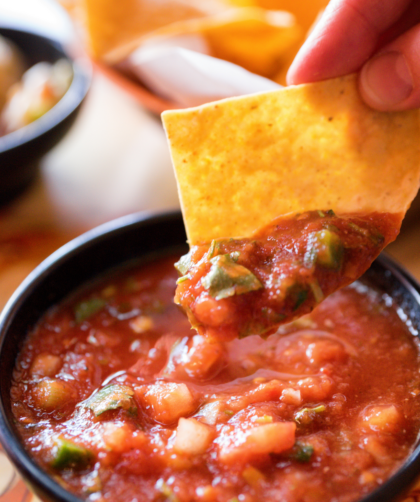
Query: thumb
[[390, 81]]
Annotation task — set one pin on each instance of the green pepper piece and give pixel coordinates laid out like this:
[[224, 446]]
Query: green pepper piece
[[227, 278], [317, 290], [184, 264], [307, 415], [88, 308], [302, 452], [68, 455], [376, 238], [326, 249], [301, 297], [214, 249], [112, 397], [183, 279]]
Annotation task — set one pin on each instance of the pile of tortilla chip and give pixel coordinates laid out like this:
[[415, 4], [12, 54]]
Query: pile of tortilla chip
[[262, 36]]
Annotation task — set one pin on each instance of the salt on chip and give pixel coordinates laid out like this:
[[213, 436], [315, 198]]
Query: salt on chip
[[242, 162]]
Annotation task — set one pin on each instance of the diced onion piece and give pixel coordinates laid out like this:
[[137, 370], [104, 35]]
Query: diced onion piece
[[242, 447], [291, 396], [264, 419], [379, 451], [204, 359], [210, 412], [45, 365], [316, 388], [367, 478], [179, 462], [382, 418], [253, 476], [141, 324], [51, 394], [166, 402], [120, 437], [192, 437]]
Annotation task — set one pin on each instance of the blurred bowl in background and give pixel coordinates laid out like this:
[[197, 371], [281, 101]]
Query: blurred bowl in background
[[21, 150]]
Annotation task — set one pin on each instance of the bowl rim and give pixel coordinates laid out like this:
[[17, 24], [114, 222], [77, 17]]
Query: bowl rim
[[75, 94], [392, 489]]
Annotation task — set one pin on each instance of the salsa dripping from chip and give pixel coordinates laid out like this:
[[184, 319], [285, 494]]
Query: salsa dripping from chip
[[241, 287], [287, 196]]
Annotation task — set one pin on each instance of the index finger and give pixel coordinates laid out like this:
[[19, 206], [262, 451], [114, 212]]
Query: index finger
[[344, 39]]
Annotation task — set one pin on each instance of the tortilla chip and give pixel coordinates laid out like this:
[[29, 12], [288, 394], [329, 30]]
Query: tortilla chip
[[305, 11], [258, 40], [255, 39], [114, 29], [242, 162]]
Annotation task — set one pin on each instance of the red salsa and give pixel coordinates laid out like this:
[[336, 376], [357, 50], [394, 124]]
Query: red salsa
[[117, 398], [240, 287]]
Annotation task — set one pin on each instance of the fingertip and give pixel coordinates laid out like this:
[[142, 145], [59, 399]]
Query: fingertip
[[386, 81], [292, 77], [390, 81]]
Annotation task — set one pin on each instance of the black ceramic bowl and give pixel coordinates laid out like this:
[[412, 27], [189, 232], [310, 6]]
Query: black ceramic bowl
[[21, 150], [141, 237]]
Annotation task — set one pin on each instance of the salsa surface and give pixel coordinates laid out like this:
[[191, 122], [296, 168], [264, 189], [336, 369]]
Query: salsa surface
[[116, 397], [240, 287]]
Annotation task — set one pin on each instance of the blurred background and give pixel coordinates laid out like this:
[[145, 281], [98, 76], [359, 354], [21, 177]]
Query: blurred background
[[115, 148], [113, 161]]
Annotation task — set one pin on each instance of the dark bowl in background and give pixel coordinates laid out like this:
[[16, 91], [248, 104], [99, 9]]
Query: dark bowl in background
[[20, 151], [143, 237]]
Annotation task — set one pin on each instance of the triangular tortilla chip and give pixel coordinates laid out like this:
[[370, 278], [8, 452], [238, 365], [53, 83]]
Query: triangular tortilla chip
[[242, 162], [260, 41], [114, 29], [256, 39], [305, 11]]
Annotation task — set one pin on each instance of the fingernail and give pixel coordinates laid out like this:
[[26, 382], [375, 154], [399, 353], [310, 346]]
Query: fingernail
[[386, 80]]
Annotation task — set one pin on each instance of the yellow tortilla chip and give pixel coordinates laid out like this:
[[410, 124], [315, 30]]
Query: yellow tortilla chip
[[255, 39], [306, 14], [258, 40], [305, 11], [114, 28], [242, 162], [251, 37]]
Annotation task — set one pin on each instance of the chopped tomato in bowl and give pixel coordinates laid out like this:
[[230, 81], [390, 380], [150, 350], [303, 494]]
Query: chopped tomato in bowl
[[107, 393]]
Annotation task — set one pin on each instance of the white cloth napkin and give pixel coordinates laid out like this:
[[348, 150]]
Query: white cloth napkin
[[192, 77]]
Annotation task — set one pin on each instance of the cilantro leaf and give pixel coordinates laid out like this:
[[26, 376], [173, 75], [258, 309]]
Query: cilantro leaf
[[227, 278]]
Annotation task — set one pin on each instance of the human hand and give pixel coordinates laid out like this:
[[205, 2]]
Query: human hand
[[378, 38]]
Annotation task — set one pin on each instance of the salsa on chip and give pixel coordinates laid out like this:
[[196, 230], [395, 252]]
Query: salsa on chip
[[287, 196]]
